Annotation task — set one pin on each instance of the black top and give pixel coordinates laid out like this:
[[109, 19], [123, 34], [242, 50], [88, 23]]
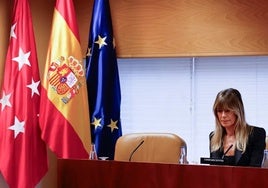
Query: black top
[[254, 150], [229, 160]]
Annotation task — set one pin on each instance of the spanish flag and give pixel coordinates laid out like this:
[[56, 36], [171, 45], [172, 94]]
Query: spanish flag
[[64, 112]]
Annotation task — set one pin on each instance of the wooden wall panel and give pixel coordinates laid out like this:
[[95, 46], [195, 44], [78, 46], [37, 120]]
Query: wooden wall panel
[[175, 28], [5, 11], [42, 14]]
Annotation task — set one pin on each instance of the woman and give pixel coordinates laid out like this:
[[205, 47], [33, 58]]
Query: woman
[[238, 143]]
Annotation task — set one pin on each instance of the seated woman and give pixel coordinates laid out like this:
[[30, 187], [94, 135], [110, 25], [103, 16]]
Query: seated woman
[[238, 143]]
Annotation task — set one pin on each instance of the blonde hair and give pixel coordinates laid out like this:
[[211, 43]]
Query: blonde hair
[[230, 99]]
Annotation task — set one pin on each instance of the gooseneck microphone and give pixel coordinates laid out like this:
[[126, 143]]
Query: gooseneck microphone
[[227, 151], [130, 157]]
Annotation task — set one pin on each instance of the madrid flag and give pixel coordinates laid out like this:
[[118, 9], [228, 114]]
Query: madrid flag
[[23, 157], [64, 113]]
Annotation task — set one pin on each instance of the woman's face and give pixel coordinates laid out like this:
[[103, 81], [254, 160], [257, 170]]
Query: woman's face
[[227, 118]]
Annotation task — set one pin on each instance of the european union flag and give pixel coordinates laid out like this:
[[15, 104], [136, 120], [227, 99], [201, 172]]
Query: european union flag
[[103, 82]]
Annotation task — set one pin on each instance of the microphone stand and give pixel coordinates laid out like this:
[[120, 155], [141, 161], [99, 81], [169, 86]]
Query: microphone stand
[[135, 150], [227, 151]]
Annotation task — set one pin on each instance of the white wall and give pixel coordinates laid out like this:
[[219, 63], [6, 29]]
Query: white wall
[[176, 95]]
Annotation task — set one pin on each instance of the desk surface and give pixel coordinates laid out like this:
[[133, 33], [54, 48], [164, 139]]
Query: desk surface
[[107, 174]]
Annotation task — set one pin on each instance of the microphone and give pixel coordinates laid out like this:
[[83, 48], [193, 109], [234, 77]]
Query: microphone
[[227, 151], [130, 157]]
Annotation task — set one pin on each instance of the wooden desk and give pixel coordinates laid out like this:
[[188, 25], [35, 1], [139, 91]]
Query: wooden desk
[[109, 174]]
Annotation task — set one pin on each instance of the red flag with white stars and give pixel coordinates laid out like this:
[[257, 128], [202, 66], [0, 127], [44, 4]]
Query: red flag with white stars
[[23, 155]]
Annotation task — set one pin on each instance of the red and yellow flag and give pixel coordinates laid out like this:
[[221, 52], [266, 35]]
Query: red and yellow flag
[[23, 153], [64, 112]]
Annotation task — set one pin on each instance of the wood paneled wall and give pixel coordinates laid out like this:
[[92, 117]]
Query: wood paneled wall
[[175, 28], [5, 11]]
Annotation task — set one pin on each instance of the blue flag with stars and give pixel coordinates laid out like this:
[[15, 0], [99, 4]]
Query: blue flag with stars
[[103, 82]]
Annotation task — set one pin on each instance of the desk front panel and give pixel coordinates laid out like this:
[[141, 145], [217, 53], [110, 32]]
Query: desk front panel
[[108, 174]]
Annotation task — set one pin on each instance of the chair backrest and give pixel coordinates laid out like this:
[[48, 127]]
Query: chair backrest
[[155, 147]]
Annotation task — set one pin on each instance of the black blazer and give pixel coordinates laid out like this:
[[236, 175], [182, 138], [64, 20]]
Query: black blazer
[[254, 150]]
